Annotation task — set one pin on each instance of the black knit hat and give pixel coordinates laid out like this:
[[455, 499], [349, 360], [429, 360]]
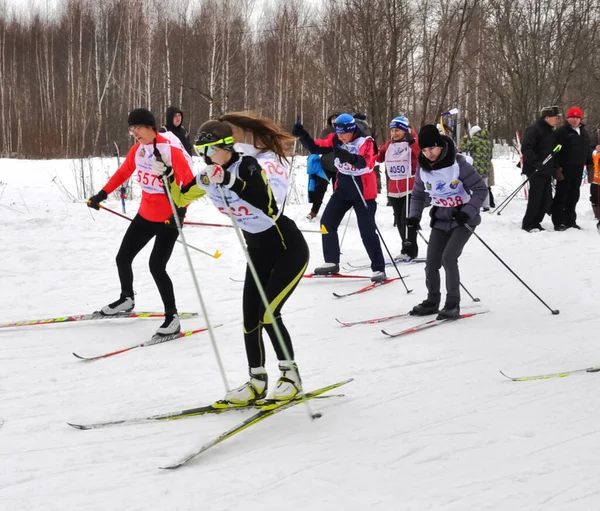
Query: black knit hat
[[212, 132], [141, 117], [429, 136], [550, 111]]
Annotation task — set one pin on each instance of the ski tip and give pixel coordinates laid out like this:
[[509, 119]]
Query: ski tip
[[340, 322], [79, 357], [506, 375], [337, 295], [78, 426]]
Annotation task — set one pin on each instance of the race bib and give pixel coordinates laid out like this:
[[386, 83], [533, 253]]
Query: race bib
[[444, 187], [397, 161]]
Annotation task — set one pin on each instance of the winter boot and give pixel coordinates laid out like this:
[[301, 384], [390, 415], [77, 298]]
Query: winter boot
[[402, 257], [378, 277], [289, 384], [451, 310], [250, 392], [170, 326], [121, 306], [425, 308], [327, 269]]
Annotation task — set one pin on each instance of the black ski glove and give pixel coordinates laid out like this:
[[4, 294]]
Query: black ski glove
[[414, 223], [460, 217], [298, 130], [171, 221], [345, 156], [94, 202]]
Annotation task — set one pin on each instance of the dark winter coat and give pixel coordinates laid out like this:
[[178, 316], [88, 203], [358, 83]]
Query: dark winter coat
[[442, 218], [538, 142], [179, 131], [480, 147], [576, 147]]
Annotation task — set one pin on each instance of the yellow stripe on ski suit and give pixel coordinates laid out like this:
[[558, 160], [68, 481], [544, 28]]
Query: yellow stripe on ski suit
[[279, 298]]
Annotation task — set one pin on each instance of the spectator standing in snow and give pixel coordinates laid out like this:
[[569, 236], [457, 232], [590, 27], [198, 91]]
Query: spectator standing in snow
[[575, 154], [594, 177], [446, 180], [479, 146], [174, 124], [400, 154], [355, 156], [538, 142], [328, 167]]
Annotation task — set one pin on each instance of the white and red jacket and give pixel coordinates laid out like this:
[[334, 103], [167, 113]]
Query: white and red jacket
[[155, 205], [401, 159]]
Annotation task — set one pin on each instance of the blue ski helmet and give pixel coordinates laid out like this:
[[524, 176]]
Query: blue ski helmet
[[344, 123], [400, 123]]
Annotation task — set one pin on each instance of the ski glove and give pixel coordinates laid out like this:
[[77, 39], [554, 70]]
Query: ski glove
[[414, 223], [345, 156], [171, 223], [460, 217], [94, 202], [219, 176], [161, 168], [298, 130]]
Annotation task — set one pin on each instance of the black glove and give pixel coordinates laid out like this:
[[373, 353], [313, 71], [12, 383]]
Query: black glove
[[94, 202], [414, 223], [460, 217], [298, 130], [171, 223], [345, 156]]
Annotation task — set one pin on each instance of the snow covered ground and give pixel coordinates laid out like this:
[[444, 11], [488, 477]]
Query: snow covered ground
[[428, 424]]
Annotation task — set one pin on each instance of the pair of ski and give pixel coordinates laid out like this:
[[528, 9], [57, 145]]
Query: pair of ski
[[265, 409], [416, 328]]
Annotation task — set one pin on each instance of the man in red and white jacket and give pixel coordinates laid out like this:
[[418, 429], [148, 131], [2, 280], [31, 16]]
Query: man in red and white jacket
[[400, 154], [153, 156]]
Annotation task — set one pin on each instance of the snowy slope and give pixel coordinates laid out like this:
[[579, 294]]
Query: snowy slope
[[428, 423]]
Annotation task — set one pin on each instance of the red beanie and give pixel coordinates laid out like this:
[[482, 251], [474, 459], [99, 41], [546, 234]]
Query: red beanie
[[575, 111]]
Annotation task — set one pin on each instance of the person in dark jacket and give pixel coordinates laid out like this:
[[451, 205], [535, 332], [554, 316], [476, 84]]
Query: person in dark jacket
[[539, 142], [327, 164], [575, 154], [174, 124], [448, 181]]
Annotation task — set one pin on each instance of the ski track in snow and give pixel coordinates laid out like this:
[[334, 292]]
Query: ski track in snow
[[428, 423]]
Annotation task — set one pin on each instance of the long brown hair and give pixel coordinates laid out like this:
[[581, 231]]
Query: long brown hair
[[267, 136]]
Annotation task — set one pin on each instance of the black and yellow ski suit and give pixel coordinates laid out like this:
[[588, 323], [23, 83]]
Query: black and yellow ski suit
[[278, 250]]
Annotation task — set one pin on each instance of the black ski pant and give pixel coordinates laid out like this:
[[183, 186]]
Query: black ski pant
[[317, 195], [595, 199], [365, 216], [540, 198], [406, 234], [137, 236], [566, 196], [280, 258], [444, 249]]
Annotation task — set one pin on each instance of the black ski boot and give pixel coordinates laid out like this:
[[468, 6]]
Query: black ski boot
[[450, 311], [425, 308]]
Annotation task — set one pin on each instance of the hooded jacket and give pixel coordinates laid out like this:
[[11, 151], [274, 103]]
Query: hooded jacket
[[179, 131]]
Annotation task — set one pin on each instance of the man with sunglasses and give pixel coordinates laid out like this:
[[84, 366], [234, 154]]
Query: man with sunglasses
[[151, 157]]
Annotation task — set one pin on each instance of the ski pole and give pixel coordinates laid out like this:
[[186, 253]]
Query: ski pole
[[557, 148], [461, 284], [509, 198], [205, 224], [216, 255], [263, 295], [553, 311], [379, 234], [211, 332], [345, 229]]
